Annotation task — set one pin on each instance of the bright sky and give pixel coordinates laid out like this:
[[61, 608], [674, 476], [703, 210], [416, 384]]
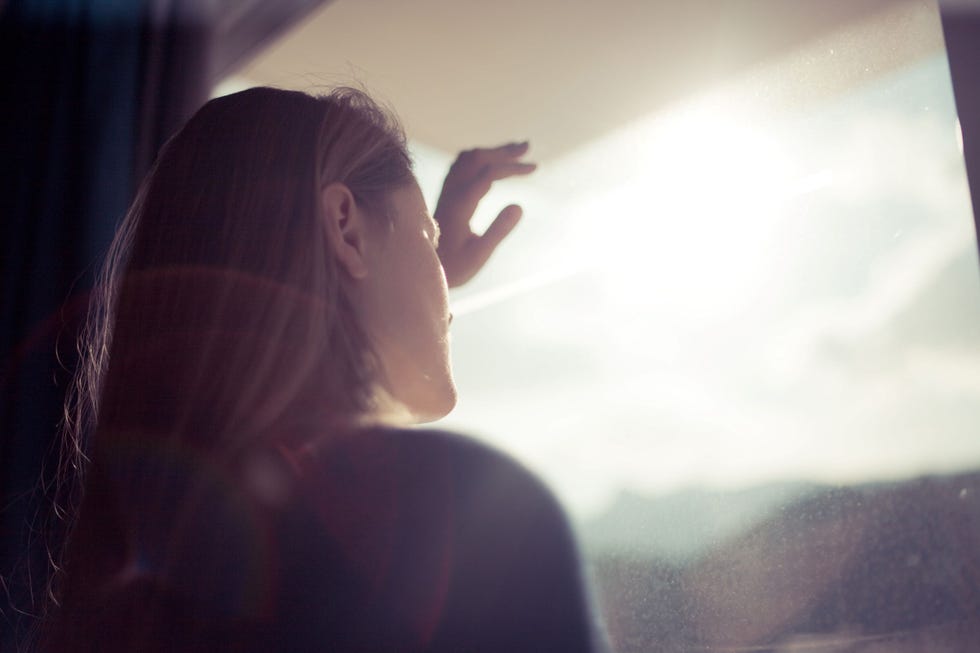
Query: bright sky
[[722, 295]]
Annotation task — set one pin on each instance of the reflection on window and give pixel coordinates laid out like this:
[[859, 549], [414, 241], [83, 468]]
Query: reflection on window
[[741, 339]]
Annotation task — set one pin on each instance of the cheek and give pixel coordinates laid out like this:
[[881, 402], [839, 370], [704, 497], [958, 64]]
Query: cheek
[[431, 287], [418, 301], [432, 302], [443, 287]]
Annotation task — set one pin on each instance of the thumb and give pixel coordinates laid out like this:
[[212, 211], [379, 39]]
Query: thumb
[[479, 248], [504, 223]]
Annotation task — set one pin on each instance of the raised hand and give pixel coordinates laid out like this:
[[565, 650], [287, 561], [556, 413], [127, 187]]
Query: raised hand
[[462, 252]]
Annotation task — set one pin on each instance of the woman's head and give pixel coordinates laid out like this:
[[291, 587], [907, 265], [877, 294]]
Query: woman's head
[[269, 272]]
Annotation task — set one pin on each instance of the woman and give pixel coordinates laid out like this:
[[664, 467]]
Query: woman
[[273, 303]]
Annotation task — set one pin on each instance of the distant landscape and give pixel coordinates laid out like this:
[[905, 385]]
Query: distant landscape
[[792, 567]]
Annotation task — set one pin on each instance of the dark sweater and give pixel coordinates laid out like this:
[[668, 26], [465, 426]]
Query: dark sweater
[[382, 540]]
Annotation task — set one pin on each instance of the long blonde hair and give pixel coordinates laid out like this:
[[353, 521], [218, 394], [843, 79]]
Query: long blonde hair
[[220, 317]]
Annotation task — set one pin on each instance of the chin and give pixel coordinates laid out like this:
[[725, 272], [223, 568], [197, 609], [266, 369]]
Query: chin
[[434, 406], [417, 392]]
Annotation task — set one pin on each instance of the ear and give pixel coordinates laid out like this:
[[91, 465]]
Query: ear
[[346, 228]]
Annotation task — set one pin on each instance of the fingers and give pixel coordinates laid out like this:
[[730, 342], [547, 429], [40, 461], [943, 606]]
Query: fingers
[[498, 171], [516, 148], [509, 151], [469, 259], [469, 180], [506, 152], [471, 163], [474, 172], [504, 223], [499, 229], [463, 264]]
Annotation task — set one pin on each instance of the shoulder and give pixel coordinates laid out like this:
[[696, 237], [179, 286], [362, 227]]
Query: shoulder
[[470, 458], [434, 538], [467, 545], [407, 440], [418, 471], [421, 452]]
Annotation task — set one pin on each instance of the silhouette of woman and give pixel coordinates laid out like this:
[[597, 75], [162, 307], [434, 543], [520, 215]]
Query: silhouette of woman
[[272, 310]]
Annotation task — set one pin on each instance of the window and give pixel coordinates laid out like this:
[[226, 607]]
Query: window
[[740, 338]]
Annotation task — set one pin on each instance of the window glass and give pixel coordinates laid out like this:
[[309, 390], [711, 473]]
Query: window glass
[[741, 340]]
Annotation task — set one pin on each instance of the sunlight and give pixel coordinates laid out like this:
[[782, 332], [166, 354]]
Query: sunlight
[[716, 296], [689, 229]]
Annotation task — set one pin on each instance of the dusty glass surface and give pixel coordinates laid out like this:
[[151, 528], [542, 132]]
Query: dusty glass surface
[[741, 339]]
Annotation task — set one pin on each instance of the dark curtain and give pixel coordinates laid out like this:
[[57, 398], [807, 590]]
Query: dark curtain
[[90, 89]]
